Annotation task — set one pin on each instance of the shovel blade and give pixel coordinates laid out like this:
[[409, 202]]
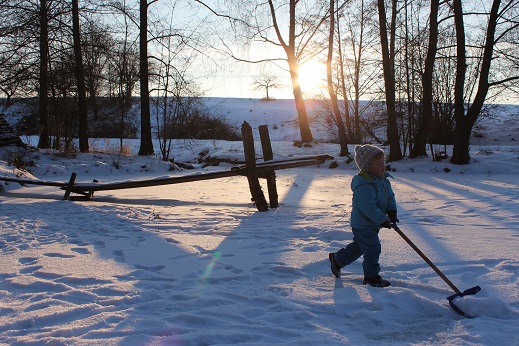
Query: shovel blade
[[470, 291]]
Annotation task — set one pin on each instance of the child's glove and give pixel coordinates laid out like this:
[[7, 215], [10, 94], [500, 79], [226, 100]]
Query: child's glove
[[387, 223], [392, 216]]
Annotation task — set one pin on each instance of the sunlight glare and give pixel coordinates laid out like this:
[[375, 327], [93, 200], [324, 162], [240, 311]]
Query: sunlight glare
[[312, 76]]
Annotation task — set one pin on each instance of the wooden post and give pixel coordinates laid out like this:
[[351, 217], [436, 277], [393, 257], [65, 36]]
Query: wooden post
[[266, 146], [250, 167], [69, 186]]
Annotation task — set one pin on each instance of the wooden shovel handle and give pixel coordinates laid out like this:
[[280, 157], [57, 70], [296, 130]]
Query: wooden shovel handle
[[435, 268]]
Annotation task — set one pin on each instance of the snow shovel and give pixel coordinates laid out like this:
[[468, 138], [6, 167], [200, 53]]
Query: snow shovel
[[470, 291]]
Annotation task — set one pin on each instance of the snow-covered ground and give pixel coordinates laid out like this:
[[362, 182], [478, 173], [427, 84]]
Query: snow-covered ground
[[197, 264]]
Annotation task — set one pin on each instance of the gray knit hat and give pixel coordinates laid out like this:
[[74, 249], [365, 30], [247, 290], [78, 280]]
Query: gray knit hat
[[364, 155]]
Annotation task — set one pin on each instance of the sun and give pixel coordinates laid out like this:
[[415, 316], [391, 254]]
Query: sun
[[312, 76]]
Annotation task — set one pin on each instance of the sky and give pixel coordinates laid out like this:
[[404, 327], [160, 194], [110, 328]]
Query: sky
[[197, 264], [237, 80], [221, 76]]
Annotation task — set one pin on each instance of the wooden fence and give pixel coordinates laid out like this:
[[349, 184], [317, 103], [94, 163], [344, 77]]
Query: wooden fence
[[251, 169]]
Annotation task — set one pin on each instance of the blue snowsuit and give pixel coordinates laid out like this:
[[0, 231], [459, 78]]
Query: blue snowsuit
[[372, 199]]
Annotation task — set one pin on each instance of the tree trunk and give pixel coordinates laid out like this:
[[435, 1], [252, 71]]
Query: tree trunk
[[419, 147], [459, 154], [395, 152], [466, 121], [293, 65], [44, 141], [343, 142], [304, 125], [302, 116], [352, 135], [80, 79], [146, 147]]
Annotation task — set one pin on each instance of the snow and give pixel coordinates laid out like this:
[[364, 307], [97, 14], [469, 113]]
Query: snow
[[197, 264]]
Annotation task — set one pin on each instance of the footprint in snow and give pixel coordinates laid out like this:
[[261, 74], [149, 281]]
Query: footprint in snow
[[27, 260], [78, 242], [30, 270], [81, 250], [118, 255], [150, 268], [99, 244]]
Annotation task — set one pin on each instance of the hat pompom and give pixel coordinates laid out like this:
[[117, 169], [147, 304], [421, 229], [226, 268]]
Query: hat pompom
[[364, 155]]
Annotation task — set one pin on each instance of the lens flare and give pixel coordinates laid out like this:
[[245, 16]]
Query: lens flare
[[207, 272]]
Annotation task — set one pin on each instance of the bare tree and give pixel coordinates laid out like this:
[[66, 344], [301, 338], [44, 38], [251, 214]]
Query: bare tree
[[175, 98], [293, 58], [80, 80], [43, 141], [126, 65], [97, 46], [388, 62], [146, 147], [15, 67], [466, 116], [343, 140], [267, 82], [358, 72], [419, 146]]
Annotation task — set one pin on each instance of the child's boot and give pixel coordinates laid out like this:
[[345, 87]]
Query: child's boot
[[336, 270], [376, 281]]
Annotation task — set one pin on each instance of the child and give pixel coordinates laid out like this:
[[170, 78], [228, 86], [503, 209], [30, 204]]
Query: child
[[374, 206]]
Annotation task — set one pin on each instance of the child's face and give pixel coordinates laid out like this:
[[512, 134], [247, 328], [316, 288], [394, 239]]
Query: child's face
[[378, 166]]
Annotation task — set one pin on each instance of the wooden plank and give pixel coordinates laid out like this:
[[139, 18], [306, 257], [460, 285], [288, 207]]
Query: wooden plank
[[322, 158], [34, 182], [82, 187], [284, 165], [266, 147], [250, 166], [69, 187]]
